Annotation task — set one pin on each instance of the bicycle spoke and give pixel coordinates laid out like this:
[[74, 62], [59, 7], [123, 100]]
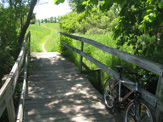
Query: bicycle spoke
[[141, 114], [109, 93], [145, 114]]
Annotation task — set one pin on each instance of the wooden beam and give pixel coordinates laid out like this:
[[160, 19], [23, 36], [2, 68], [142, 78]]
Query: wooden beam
[[11, 111], [23, 93], [86, 67], [81, 57]]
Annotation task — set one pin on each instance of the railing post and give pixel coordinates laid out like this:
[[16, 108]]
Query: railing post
[[159, 93], [81, 57], [11, 111], [29, 43], [99, 77]]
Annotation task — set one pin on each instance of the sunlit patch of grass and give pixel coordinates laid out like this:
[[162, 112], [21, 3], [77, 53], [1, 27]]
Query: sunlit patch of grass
[[46, 31], [38, 36], [52, 45]]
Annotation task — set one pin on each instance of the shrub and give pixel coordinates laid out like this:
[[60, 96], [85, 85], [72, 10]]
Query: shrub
[[92, 22]]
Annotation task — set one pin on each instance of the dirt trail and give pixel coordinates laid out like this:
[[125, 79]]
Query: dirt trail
[[43, 48], [52, 30]]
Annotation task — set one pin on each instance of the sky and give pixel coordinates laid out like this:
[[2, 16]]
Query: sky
[[47, 9]]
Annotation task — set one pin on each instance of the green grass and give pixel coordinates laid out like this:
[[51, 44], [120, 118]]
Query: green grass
[[46, 31], [52, 45], [106, 58]]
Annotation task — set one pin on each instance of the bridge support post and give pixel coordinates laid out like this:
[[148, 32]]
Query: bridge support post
[[159, 93], [11, 111], [81, 57]]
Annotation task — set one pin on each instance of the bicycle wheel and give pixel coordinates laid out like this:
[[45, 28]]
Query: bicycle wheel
[[142, 112], [110, 93]]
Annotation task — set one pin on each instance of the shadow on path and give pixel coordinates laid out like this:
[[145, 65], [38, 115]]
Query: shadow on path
[[57, 92]]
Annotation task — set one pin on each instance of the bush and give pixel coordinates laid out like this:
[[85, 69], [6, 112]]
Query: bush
[[92, 22], [96, 31]]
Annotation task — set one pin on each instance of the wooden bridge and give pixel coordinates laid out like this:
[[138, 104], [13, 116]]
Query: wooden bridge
[[57, 91]]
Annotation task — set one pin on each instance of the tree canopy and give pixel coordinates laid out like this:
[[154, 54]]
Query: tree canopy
[[135, 19], [15, 16]]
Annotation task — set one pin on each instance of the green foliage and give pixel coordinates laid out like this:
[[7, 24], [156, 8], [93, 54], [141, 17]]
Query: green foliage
[[8, 37], [13, 15], [89, 23], [33, 18], [48, 20], [136, 18], [58, 1], [46, 32]]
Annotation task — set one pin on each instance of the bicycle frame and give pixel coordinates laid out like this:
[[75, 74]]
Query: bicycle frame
[[119, 83]]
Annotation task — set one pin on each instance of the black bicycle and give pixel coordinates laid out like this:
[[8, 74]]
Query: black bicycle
[[137, 109]]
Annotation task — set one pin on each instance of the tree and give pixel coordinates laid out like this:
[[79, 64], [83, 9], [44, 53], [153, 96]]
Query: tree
[[136, 18], [23, 30], [13, 14], [33, 18]]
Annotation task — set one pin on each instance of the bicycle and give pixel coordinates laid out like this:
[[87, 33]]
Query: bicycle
[[137, 109]]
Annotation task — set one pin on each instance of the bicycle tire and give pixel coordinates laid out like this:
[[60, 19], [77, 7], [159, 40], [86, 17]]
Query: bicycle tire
[[110, 93], [144, 115]]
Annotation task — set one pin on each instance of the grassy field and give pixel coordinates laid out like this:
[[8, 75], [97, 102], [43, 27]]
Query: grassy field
[[46, 32]]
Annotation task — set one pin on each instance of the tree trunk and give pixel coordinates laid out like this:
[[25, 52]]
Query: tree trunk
[[23, 30]]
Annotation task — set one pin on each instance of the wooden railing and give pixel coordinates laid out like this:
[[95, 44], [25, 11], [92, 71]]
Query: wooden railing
[[8, 88], [146, 64]]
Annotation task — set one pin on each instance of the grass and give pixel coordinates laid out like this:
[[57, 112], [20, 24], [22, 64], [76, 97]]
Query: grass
[[52, 45], [106, 58], [46, 31]]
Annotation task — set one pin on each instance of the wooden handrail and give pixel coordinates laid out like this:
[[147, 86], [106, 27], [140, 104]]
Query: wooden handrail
[[24, 86], [8, 88], [144, 63]]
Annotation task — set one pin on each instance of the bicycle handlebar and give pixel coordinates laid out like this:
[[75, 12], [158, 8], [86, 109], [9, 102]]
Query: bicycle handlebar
[[120, 68]]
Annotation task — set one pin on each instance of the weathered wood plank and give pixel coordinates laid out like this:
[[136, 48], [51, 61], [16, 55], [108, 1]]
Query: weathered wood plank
[[11, 110], [159, 90], [23, 93], [65, 96], [146, 64], [81, 57], [5, 98], [85, 66], [159, 93]]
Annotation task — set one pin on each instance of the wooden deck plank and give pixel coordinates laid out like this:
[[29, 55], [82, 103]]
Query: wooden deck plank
[[57, 92]]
